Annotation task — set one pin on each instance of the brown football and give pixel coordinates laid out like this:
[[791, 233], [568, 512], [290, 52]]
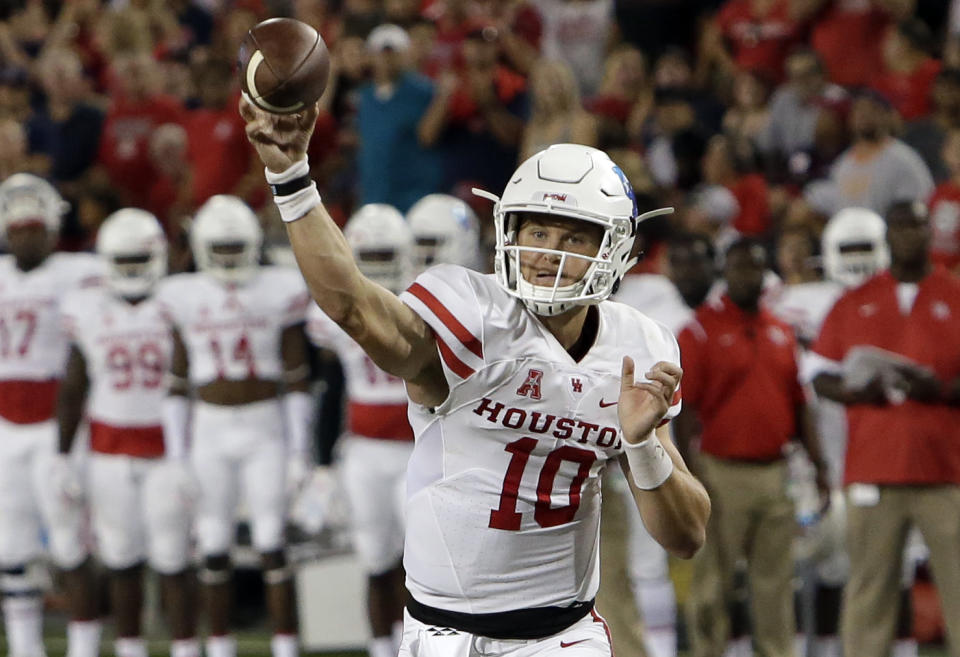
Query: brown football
[[284, 65]]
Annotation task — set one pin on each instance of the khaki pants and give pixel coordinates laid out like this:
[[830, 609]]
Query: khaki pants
[[615, 599], [752, 521], [877, 527]]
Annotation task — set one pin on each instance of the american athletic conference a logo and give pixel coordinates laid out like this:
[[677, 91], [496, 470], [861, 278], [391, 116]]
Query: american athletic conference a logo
[[531, 387]]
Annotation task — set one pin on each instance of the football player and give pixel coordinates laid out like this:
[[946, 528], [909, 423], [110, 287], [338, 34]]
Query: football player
[[239, 346], [445, 230], [379, 440], [116, 371], [33, 350], [521, 387], [852, 249]]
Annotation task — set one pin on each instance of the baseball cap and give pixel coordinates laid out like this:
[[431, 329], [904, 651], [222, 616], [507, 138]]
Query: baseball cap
[[480, 28], [388, 37]]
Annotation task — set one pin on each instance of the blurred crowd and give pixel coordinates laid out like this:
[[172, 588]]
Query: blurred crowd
[[746, 115], [758, 120]]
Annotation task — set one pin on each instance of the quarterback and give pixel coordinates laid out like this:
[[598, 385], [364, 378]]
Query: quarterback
[[521, 388]]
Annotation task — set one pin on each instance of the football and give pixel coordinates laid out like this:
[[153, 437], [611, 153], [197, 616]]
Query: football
[[284, 65]]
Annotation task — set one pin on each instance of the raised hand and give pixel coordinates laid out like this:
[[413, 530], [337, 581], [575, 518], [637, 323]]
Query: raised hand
[[643, 404], [280, 139]]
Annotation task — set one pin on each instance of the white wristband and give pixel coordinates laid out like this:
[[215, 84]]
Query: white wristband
[[650, 465], [294, 171], [296, 205]]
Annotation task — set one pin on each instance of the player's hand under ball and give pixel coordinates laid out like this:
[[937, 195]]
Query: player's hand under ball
[[280, 139], [643, 404]]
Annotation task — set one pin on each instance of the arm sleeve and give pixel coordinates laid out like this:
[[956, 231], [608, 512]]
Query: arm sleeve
[[449, 303], [329, 423]]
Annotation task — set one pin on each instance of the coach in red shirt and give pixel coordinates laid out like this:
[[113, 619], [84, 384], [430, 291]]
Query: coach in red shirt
[[903, 450], [740, 380]]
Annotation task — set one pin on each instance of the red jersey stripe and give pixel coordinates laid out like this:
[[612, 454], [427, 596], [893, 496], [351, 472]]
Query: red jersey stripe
[[28, 402], [141, 442], [383, 421], [459, 330], [460, 368]]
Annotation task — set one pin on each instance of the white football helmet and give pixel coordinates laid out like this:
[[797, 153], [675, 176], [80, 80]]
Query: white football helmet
[[26, 198], [578, 182], [220, 223], [445, 230], [382, 245], [135, 248], [854, 246]]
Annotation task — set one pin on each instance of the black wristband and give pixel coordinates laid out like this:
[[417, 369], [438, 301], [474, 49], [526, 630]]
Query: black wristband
[[291, 186]]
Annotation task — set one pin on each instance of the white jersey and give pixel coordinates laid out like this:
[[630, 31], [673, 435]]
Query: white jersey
[[804, 306], [127, 350], [233, 331], [33, 346], [657, 297], [503, 488], [377, 401]]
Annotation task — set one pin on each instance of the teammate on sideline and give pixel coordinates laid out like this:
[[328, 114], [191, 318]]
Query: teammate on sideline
[[438, 229], [33, 350], [239, 345], [853, 249], [378, 440], [521, 388], [116, 368], [445, 230], [901, 467]]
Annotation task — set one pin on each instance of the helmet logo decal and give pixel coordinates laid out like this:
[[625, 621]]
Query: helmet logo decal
[[627, 188], [555, 196]]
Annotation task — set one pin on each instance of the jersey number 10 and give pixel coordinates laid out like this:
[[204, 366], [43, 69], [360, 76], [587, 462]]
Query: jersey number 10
[[507, 517]]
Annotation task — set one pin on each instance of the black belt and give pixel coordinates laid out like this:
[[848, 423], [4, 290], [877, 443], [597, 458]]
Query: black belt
[[533, 623]]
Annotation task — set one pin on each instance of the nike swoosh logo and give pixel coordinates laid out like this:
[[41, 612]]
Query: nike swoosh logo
[[607, 404], [564, 644]]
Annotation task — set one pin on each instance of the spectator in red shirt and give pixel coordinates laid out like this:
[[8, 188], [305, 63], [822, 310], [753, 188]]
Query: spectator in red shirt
[[170, 195], [219, 153], [741, 383], [908, 69], [902, 462], [848, 35], [728, 163], [756, 36], [134, 112], [945, 209], [477, 115], [927, 135], [625, 96]]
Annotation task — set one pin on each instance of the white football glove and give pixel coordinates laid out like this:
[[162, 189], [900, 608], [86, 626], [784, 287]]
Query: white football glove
[[298, 471], [316, 506], [64, 479]]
